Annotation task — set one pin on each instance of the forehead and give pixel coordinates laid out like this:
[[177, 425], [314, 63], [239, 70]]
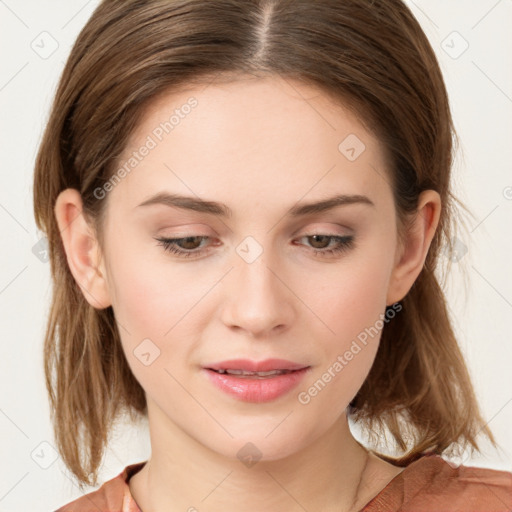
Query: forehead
[[250, 136]]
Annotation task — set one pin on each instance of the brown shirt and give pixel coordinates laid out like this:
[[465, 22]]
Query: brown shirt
[[429, 484]]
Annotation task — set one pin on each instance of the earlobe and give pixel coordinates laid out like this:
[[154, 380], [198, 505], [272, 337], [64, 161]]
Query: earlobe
[[82, 249], [413, 253]]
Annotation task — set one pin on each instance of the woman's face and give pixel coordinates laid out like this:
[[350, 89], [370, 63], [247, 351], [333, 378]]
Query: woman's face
[[256, 283]]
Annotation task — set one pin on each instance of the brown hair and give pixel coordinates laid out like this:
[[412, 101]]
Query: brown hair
[[374, 58]]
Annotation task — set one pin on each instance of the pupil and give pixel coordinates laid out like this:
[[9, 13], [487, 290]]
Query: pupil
[[189, 240], [316, 237]]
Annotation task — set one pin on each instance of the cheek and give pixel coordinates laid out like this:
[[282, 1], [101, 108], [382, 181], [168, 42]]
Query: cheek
[[153, 311], [150, 293], [354, 296], [160, 301], [352, 307]]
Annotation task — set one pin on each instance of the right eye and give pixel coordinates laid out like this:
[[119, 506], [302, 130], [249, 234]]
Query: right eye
[[173, 245]]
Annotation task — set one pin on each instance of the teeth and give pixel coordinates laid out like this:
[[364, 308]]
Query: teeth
[[258, 374]]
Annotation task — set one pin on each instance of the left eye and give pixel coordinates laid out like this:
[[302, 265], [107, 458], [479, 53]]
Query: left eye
[[174, 245]]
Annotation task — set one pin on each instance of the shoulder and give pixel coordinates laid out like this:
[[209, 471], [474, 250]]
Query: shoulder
[[432, 483], [469, 488], [113, 496]]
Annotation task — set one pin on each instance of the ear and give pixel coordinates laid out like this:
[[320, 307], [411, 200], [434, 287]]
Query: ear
[[411, 254], [82, 248]]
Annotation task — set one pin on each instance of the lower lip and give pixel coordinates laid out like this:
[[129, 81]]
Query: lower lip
[[257, 389]]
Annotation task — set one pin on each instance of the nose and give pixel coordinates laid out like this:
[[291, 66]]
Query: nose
[[257, 299]]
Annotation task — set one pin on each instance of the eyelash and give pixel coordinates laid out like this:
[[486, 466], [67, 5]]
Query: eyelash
[[345, 243]]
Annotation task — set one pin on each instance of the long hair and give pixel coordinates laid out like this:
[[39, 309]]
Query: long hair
[[372, 57]]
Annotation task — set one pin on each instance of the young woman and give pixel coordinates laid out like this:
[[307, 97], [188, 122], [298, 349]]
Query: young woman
[[245, 203]]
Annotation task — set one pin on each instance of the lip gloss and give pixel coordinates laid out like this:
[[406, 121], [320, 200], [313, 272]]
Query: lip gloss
[[256, 389]]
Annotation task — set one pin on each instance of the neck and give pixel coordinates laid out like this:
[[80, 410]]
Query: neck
[[328, 474]]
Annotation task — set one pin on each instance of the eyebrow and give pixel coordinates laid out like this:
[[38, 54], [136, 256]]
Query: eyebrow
[[222, 210]]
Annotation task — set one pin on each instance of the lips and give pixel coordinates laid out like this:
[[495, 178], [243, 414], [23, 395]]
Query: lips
[[247, 366], [256, 381]]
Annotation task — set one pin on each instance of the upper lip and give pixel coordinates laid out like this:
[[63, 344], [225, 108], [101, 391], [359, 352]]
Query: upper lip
[[256, 366]]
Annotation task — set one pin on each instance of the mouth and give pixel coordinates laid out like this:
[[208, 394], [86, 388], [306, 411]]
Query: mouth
[[252, 381], [253, 375], [247, 368]]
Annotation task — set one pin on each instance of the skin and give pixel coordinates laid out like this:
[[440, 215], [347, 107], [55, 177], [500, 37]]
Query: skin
[[259, 146]]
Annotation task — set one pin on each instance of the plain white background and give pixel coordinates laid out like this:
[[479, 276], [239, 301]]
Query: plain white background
[[473, 44]]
